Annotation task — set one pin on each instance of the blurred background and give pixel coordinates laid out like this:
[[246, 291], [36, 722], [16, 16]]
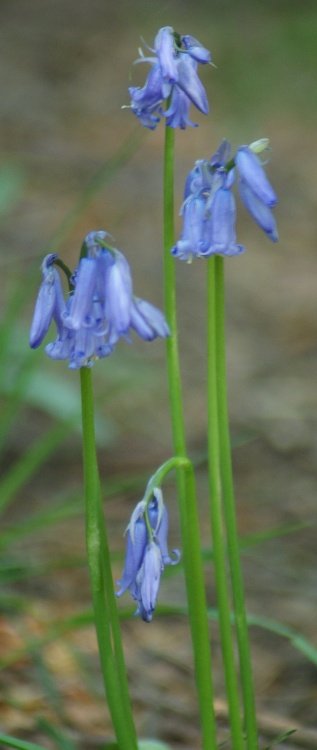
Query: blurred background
[[73, 160]]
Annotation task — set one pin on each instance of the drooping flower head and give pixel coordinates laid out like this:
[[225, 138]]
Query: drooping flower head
[[172, 76], [209, 207], [99, 309], [146, 554]]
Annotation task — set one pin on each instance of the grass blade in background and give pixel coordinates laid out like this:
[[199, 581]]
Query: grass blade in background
[[23, 469], [8, 741]]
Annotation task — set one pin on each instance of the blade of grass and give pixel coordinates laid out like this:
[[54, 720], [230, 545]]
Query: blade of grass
[[12, 181], [29, 463], [18, 383], [41, 519], [55, 733], [280, 738], [257, 537], [8, 741], [104, 174], [68, 507], [75, 622], [15, 571]]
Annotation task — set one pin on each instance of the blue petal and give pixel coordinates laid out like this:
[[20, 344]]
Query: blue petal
[[223, 217], [118, 297], [177, 113], [195, 49], [135, 550], [147, 320], [189, 244], [222, 155], [150, 576], [164, 46], [49, 303], [82, 299], [93, 241], [260, 212], [251, 171], [190, 83], [43, 313]]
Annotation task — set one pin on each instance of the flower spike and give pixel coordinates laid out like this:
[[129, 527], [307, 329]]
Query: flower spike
[[209, 208], [173, 76], [99, 310]]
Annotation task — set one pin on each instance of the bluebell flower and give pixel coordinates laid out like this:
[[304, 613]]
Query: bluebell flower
[[260, 212], [252, 173], [146, 555], [173, 75], [189, 82], [195, 228], [195, 49], [165, 49], [177, 114], [49, 304], [222, 225], [209, 208], [146, 102], [99, 309], [147, 320]]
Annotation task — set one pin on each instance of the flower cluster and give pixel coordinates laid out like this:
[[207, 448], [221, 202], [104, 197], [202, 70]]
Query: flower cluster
[[99, 309], [146, 554], [209, 207], [173, 77]]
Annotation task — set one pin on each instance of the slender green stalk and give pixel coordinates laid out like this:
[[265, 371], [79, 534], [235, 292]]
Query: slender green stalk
[[219, 546], [193, 567], [104, 602], [230, 516]]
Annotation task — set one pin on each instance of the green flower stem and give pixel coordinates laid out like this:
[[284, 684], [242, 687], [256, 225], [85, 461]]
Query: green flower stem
[[193, 566], [230, 516], [104, 601], [215, 490]]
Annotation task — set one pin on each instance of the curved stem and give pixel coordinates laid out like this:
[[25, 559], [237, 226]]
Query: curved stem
[[218, 538], [194, 577], [230, 517], [104, 602]]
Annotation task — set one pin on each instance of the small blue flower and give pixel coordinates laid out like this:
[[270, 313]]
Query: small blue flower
[[49, 304], [190, 84], [147, 320], [173, 74], [99, 309], [146, 102], [164, 46], [222, 225], [252, 173], [146, 556], [148, 582], [195, 49], [177, 113], [260, 212], [79, 311], [195, 228], [118, 297]]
